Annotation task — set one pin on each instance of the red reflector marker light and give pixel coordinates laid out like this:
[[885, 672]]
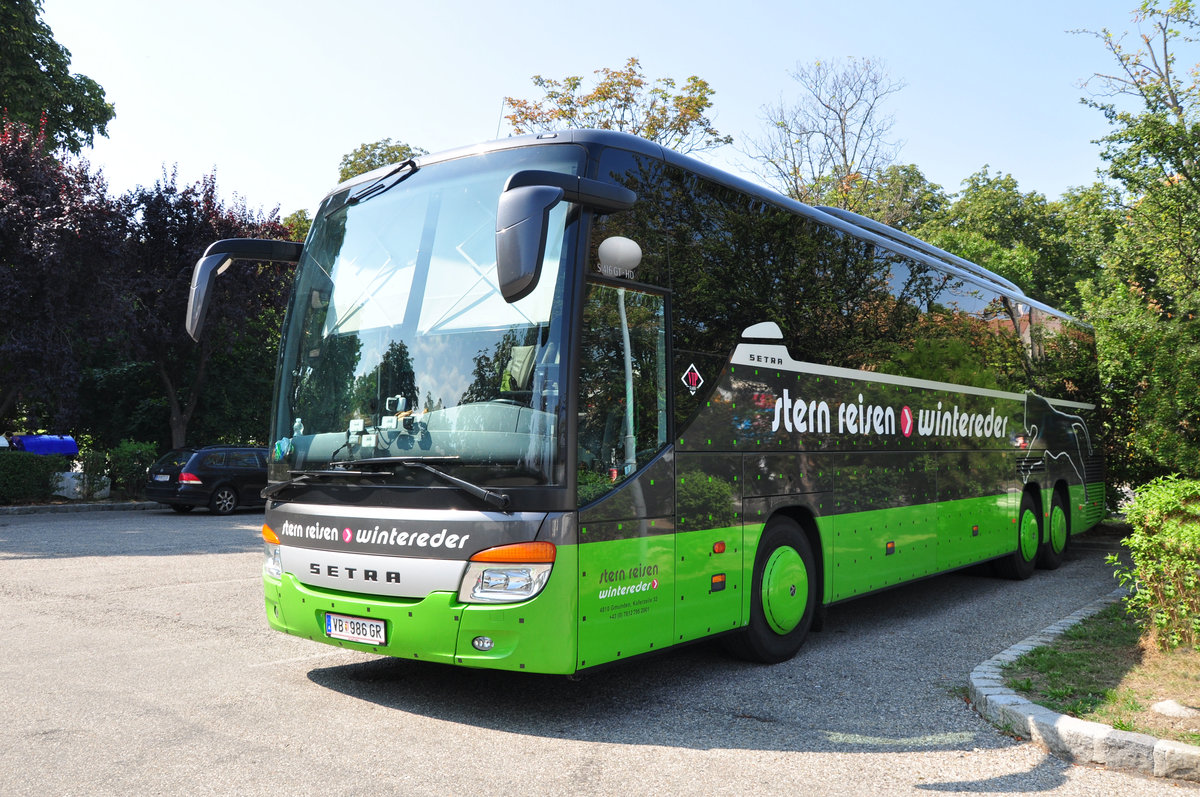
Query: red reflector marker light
[[719, 547]]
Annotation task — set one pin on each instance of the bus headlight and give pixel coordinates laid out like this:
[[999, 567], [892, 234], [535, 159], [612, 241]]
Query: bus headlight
[[508, 573], [272, 563]]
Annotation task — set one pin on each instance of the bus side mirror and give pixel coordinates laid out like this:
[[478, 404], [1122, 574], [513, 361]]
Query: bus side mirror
[[523, 218], [217, 259]]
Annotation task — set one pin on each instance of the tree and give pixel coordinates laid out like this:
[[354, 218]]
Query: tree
[[61, 240], [827, 147], [229, 371], [623, 99], [37, 87], [1144, 301], [297, 224], [901, 197], [1151, 151], [367, 157], [1020, 236]]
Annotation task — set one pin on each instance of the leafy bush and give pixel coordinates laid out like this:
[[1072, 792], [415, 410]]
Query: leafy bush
[[28, 477], [127, 465], [1165, 547], [93, 466]]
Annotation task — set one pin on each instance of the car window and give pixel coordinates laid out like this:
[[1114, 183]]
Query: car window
[[174, 459], [216, 460], [243, 459]]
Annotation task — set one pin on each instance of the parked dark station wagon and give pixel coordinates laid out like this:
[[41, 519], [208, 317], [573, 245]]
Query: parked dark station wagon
[[222, 478]]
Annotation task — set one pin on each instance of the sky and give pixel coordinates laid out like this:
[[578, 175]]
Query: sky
[[271, 95]]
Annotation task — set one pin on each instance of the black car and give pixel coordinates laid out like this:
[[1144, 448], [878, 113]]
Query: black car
[[222, 478]]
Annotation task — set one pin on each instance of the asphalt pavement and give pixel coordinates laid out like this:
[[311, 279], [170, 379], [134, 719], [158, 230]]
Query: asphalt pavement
[[136, 659]]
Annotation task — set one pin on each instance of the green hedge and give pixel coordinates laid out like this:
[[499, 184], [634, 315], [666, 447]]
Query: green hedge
[[127, 464], [28, 477], [1165, 548]]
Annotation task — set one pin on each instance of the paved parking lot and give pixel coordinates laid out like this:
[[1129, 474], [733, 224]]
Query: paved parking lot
[[135, 659]]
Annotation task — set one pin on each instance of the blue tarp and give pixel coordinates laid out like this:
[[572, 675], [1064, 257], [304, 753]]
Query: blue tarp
[[49, 444]]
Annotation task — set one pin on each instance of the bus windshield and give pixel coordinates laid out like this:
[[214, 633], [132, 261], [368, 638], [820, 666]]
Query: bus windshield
[[398, 342]]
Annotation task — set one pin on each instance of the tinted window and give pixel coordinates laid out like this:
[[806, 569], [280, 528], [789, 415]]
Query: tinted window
[[214, 460], [243, 459]]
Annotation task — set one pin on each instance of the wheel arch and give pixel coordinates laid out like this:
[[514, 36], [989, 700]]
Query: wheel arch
[[1063, 491]]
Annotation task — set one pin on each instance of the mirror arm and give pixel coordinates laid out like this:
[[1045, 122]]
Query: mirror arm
[[217, 258], [595, 194]]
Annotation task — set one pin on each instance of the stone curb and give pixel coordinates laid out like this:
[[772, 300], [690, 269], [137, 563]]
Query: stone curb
[[1074, 740], [80, 507]]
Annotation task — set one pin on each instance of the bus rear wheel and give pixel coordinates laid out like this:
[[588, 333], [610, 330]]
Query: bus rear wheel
[[1020, 563], [1050, 556], [783, 598]]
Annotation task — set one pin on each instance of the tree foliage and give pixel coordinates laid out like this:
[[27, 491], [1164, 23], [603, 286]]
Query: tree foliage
[[36, 84], [1145, 300], [831, 144], [623, 99], [372, 155], [900, 196], [174, 226], [1021, 236], [61, 239]]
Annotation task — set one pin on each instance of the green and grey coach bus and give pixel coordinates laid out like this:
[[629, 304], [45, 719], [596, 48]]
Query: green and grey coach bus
[[560, 400]]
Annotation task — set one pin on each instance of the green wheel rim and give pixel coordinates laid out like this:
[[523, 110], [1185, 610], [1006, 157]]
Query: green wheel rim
[[1028, 534], [784, 589], [1058, 529]]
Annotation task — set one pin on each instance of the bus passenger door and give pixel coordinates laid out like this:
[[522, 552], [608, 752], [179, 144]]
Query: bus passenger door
[[624, 476]]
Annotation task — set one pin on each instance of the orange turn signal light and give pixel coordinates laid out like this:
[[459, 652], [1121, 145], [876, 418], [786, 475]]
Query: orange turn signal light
[[269, 535], [518, 553]]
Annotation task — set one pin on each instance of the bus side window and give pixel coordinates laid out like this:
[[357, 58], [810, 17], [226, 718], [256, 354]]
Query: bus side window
[[616, 436]]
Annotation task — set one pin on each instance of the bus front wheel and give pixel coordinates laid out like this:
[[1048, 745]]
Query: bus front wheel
[[783, 598]]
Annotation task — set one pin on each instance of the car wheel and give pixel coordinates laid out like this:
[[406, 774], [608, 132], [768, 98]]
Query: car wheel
[[182, 509], [224, 500]]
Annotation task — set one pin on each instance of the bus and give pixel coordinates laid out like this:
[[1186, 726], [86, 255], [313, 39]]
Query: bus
[[561, 400]]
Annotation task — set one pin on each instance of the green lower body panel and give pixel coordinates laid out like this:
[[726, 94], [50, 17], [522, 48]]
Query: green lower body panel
[[537, 635], [1087, 506]]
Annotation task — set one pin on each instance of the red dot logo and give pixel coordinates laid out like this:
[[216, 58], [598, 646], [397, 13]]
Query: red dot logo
[[906, 422]]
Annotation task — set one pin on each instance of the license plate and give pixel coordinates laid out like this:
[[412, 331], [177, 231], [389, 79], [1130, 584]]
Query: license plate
[[162, 477], [356, 629]]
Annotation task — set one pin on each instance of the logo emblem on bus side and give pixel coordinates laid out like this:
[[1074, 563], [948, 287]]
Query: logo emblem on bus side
[[692, 379]]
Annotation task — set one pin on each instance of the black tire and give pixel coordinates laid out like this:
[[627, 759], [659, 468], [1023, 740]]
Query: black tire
[[1058, 534], [224, 500], [1019, 565], [182, 509], [783, 598]]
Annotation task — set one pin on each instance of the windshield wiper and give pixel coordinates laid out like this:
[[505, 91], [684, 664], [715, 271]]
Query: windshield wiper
[[388, 181], [303, 476], [491, 498]]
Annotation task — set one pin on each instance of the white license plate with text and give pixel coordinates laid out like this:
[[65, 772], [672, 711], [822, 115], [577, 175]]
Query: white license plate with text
[[356, 629]]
